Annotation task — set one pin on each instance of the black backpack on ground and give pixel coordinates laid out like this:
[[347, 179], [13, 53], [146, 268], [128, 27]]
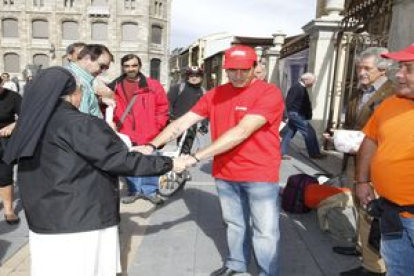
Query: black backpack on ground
[[293, 196]]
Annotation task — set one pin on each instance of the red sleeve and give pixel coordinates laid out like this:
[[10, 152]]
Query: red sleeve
[[269, 105], [117, 111], [202, 107], [161, 106]]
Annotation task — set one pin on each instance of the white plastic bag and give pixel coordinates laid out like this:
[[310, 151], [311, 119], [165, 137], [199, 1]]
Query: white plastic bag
[[348, 141]]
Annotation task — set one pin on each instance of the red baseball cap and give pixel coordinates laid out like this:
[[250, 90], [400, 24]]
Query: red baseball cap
[[406, 54], [239, 57]]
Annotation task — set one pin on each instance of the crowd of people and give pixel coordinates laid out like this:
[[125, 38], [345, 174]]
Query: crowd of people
[[70, 159]]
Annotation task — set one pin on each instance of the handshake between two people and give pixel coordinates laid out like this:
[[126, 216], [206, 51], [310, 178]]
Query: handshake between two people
[[180, 163]]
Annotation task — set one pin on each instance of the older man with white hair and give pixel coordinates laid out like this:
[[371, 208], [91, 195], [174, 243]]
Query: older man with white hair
[[384, 164], [299, 112], [374, 88]]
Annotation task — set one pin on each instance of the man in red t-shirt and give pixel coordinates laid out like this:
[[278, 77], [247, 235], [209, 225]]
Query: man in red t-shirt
[[244, 115]]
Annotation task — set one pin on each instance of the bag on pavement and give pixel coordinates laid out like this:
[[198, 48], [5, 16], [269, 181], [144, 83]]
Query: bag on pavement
[[338, 215], [337, 181], [293, 196]]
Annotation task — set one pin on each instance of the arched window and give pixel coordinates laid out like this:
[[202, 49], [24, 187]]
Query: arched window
[[155, 8], [38, 3], [69, 3], [155, 68], [130, 4], [129, 31], [70, 30], [41, 60], [160, 9], [99, 31], [40, 29], [156, 34], [10, 28], [11, 63]]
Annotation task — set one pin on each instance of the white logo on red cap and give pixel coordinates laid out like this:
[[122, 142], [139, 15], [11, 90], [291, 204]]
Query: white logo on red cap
[[238, 53]]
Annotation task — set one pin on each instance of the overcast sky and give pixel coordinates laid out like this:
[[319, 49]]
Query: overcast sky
[[193, 19]]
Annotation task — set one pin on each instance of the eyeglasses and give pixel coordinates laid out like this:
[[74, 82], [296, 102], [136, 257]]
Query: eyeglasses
[[103, 66]]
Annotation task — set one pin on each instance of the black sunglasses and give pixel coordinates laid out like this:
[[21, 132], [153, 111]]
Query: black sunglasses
[[103, 66]]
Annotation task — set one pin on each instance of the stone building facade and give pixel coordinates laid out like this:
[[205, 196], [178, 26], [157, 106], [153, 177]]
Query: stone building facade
[[37, 32]]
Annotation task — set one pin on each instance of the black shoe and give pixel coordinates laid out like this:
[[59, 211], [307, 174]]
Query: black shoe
[[360, 271], [286, 157], [319, 156], [131, 198], [155, 199], [346, 250], [224, 271]]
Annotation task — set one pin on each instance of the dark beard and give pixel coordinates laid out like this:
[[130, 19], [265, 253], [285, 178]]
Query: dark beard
[[132, 76]]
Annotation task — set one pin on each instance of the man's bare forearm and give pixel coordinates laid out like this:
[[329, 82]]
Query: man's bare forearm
[[364, 157], [233, 137], [176, 128], [227, 141], [171, 132]]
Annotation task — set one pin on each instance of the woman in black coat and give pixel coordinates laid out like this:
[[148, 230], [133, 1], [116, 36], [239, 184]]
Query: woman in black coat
[[69, 164], [9, 109]]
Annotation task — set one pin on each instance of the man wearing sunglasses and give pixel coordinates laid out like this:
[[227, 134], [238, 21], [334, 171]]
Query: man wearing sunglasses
[[92, 60]]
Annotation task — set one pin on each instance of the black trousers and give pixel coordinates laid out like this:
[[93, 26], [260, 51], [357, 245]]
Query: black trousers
[[189, 140]]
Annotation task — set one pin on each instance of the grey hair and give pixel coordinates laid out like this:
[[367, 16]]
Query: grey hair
[[379, 62], [78, 85], [308, 75]]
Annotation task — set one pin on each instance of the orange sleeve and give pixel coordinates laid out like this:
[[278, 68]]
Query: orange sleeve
[[371, 128]]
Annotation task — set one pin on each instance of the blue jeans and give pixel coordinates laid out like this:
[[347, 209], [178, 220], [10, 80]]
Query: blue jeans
[[144, 185], [398, 254], [250, 211], [296, 123]]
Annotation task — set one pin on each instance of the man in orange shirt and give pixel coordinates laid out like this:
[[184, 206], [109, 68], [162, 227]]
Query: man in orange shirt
[[385, 163], [374, 88]]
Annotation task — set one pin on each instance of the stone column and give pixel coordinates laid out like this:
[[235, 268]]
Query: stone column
[[342, 65], [334, 7], [322, 54], [402, 24], [272, 56]]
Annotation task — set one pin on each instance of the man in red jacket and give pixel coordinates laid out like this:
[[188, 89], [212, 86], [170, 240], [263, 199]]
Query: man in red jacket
[[147, 116]]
